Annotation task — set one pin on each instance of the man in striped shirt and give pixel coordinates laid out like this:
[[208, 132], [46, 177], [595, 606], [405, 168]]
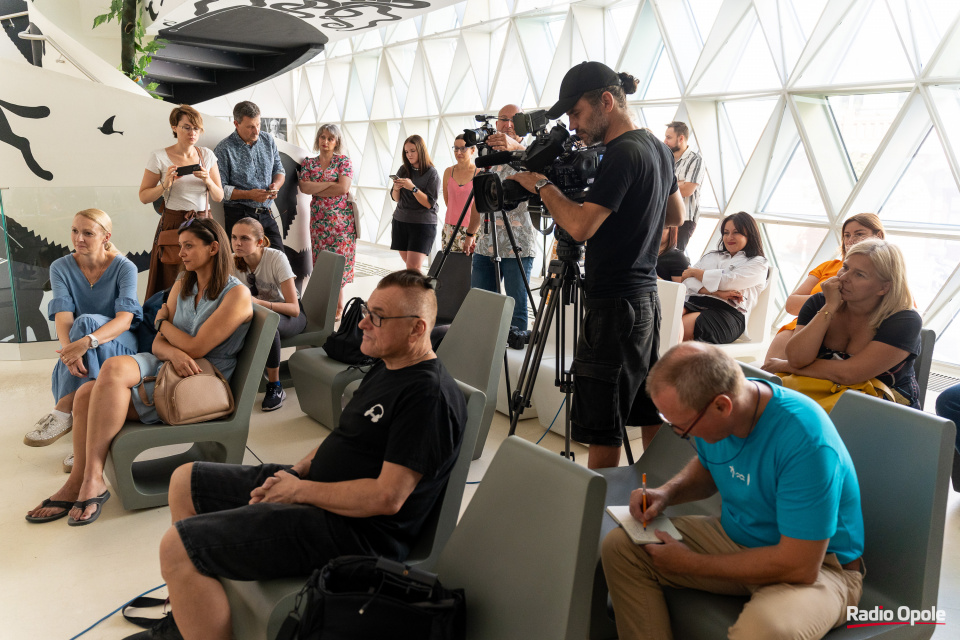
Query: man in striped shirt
[[689, 168]]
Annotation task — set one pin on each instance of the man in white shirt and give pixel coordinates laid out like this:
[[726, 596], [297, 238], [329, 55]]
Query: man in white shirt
[[689, 169]]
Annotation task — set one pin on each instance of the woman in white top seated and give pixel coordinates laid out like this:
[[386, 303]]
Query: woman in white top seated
[[724, 285], [270, 278], [184, 196]]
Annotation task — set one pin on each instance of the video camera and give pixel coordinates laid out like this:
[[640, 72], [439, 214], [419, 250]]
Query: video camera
[[478, 137], [554, 153]]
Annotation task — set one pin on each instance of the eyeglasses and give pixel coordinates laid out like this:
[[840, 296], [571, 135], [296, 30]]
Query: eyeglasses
[[188, 129], [685, 435], [375, 318], [504, 119], [252, 283], [457, 149]]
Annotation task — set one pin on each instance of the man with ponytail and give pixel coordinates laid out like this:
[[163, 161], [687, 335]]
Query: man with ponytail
[[623, 215]]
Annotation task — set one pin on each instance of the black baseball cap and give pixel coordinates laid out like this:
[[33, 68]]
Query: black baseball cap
[[584, 77]]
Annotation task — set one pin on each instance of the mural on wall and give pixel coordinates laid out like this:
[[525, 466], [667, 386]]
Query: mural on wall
[[19, 142], [98, 170]]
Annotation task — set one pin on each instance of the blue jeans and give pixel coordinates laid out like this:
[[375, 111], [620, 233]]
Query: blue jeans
[[948, 406], [484, 277]]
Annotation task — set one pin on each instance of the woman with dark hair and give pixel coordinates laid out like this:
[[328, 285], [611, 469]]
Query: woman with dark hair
[[270, 278], [856, 228], [206, 316], [724, 285], [457, 187], [327, 179], [671, 261], [415, 191], [184, 196], [862, 327]]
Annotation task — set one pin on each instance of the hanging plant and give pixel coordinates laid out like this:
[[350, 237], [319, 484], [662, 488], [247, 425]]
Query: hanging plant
[[135, 56]]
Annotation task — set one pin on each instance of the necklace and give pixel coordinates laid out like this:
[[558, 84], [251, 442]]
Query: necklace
[[753, 424], [97, 279]]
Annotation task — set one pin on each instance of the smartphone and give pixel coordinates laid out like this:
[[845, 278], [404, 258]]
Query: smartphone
[[189, 169], [393, 177]]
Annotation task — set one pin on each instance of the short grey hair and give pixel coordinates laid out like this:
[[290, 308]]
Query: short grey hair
[[245, 109], [698, 372]]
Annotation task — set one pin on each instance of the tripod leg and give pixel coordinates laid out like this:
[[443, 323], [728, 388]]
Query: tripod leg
[[516, 255], [453, 236]]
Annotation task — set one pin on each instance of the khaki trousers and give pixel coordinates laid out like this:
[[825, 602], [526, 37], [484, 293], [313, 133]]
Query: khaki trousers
[[773, 612]]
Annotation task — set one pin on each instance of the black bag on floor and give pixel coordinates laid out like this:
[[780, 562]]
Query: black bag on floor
[[344, 343], [364, 597]]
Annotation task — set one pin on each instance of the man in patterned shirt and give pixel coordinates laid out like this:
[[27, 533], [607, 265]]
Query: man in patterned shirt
[[251, 173], [689, 169]]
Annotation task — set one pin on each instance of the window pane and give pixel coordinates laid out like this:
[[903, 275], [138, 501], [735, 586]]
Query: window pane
[[663, 84], [748, 118], [796, 192], [705, 13], [747, 54], [947, 348], [657, 118], [701, 236], [930, 262], [927, 191], [875, 52], [863, 120], [792, 247]]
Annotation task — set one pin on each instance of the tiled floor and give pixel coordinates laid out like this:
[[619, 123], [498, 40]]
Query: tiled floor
[[56, 580]]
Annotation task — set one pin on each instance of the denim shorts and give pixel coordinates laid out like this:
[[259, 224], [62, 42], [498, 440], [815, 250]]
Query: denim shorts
[[619, 342], [232, 539]]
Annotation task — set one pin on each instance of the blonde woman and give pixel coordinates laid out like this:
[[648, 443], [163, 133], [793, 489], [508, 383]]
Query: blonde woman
[[862, 326], [185, 195], [94, 307], [856, 228], [327, 179]]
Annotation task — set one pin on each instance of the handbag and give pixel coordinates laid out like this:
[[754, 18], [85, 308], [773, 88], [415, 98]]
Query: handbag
[[826, 393], [197, 398], [362, 597], [343, 344], [356, 213]]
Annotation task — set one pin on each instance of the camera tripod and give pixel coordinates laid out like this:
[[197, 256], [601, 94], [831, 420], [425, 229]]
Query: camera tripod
[[561, 288], [488, 222]]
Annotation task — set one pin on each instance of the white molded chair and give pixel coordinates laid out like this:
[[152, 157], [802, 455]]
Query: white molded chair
[[753, 344]]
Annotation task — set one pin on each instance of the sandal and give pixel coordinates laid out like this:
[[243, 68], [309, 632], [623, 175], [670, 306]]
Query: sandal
[[83, 504], [56, 504]]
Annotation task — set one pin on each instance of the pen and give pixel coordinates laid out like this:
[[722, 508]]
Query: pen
[[644, 500]]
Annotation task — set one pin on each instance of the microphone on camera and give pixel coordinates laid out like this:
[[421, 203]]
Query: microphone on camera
[[493, 159]]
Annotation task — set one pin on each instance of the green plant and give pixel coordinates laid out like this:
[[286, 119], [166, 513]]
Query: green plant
[[135, 56]]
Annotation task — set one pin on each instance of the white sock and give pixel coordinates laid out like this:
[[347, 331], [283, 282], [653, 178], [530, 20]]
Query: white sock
[[61, 415]]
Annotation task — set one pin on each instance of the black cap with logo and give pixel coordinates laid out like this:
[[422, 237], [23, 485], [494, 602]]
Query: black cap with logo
[[582, 78]]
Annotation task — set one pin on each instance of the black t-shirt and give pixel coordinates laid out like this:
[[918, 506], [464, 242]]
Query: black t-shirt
[[409, 208], [901, 330], [634, 180], [672, 262], [413, 417]]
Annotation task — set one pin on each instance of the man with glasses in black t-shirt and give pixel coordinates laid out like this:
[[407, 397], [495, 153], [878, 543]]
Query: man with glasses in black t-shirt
[[633, 197]]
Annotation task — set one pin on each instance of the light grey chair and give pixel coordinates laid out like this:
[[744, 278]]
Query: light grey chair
[[144, 484], [258, 609], [525, 550], [756, 372], [903, 458], [472, 350], [921, 366]]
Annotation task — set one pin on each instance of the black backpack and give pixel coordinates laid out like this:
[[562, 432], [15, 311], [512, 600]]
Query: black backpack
[[344, 343]]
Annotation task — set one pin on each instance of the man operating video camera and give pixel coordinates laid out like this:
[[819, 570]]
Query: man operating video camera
[[633, 196]]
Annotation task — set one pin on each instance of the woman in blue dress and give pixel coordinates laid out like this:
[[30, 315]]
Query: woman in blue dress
[[206, 316], [95, 309]]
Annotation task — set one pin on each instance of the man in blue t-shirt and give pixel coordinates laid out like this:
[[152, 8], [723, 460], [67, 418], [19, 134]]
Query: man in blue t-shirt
[[790, 535]]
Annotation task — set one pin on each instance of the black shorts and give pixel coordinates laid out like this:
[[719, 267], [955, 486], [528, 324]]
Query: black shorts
[[413, 236], [619, 342], [718, 322], [232, 539]]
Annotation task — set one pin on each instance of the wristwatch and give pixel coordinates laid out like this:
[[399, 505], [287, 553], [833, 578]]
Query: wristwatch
[[94, 343], [541, 184], [157, 322], [414, 190]]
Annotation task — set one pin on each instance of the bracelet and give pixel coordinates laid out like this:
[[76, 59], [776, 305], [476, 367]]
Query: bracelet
[[468, 234], [271, 305], [825, 312]]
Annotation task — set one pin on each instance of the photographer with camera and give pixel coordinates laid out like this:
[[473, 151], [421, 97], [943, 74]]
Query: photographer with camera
[[633, 196], [484, 273]]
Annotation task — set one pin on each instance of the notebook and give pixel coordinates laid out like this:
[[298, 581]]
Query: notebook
[[636, 531]]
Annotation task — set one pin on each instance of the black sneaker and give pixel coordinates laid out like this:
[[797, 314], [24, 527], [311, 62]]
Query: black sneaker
[[274, 397], [165, 629]]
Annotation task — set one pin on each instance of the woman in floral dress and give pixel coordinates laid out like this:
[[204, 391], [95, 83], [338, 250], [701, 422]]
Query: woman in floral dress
[[327, 178]]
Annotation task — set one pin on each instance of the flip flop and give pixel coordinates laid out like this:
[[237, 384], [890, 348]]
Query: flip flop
[[83, 504], [57, 504]]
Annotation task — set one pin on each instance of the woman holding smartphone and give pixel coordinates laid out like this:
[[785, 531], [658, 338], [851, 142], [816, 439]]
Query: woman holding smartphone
[[415, 189], [187, 178]]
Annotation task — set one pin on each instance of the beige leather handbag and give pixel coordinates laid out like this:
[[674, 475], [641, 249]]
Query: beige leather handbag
[[197, 398]]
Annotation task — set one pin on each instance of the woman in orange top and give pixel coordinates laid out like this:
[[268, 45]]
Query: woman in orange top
[[856, 228]]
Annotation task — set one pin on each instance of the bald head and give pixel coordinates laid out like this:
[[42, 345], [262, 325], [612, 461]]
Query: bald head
[[698, 372]]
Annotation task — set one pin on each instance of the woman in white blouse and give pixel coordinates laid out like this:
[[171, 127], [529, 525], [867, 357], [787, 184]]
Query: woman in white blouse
[[724, 285], [187, 177]]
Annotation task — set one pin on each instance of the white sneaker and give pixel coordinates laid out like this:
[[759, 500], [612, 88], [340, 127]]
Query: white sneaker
[[48, 430], [68, 464]]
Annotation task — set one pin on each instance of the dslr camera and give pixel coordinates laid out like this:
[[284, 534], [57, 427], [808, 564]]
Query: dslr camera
[[478, 137], [555, 153]]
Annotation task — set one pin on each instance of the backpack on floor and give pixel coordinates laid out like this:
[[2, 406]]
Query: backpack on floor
[[344, 343], [364, 597]]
